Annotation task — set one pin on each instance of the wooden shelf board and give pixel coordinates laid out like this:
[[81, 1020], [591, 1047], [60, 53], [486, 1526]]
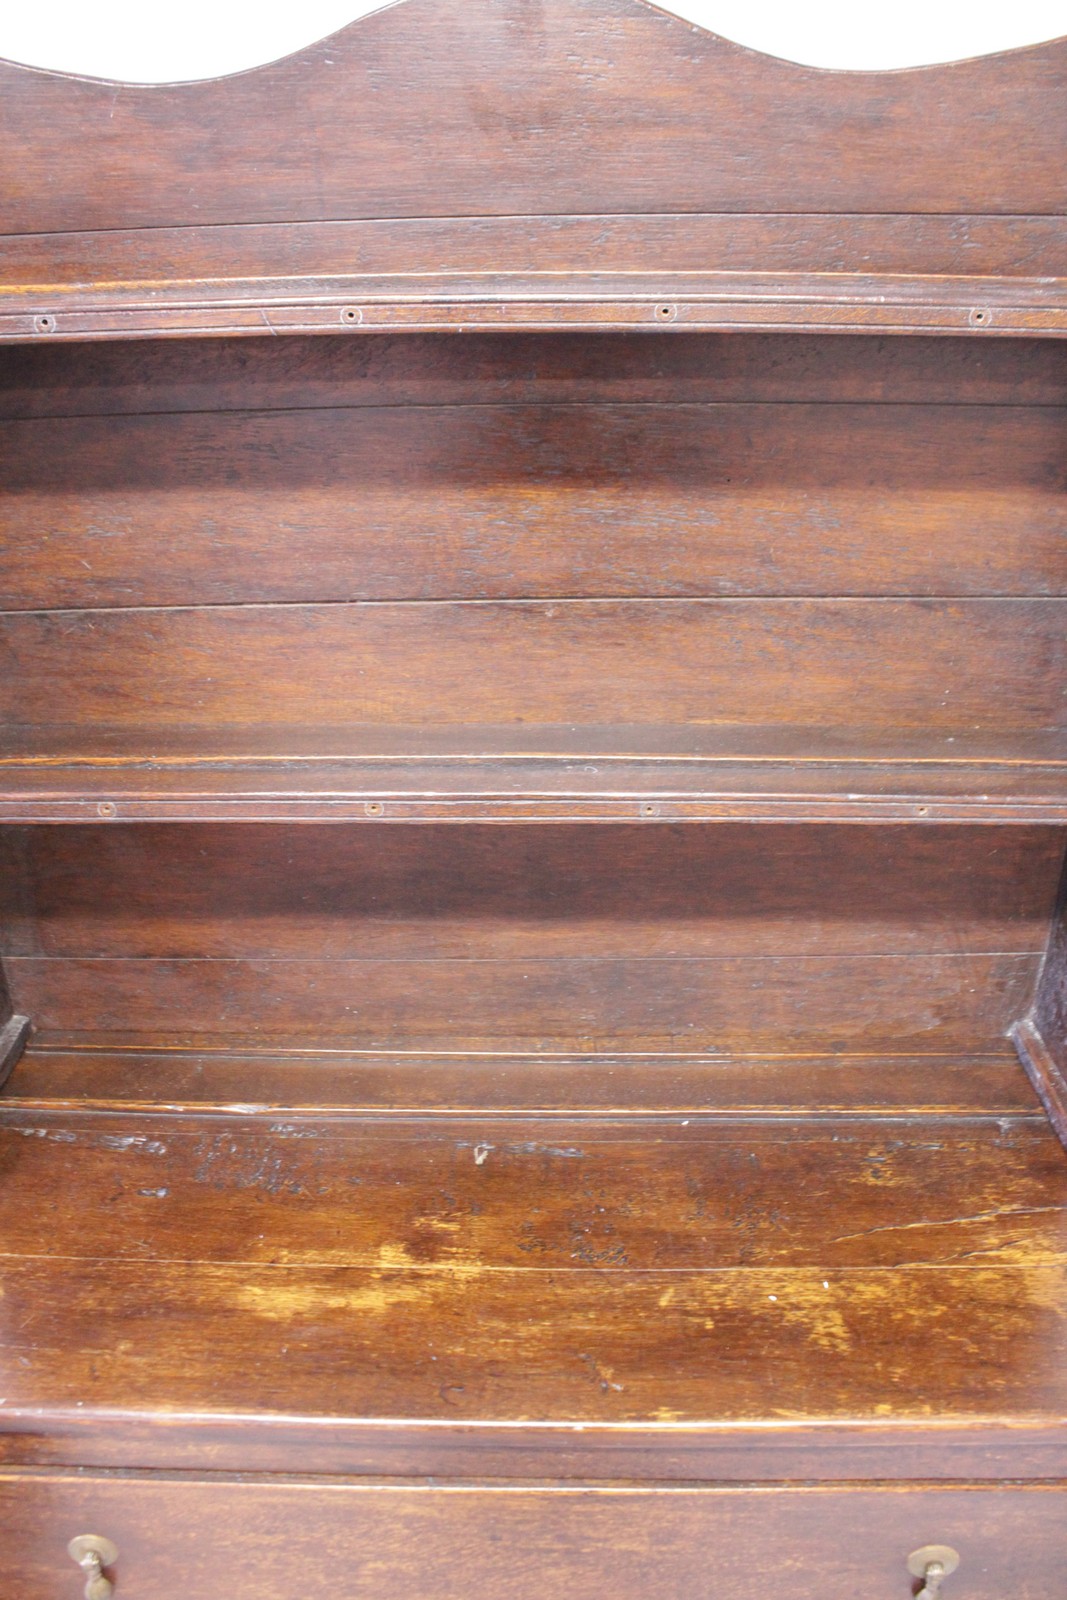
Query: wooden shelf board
[[603, 1286], [153, 1074], [628, 300], [530, 774]]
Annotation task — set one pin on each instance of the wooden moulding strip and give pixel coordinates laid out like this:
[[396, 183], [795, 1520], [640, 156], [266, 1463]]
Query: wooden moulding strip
[[982, 308], [857, 810], [773, 1451], [184, 322]]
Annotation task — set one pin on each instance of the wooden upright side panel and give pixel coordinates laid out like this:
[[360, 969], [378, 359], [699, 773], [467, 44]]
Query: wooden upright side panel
[[1041, 1036], [14, 1029]]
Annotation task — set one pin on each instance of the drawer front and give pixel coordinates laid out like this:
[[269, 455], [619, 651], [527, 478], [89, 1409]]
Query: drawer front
[[204, 1540]]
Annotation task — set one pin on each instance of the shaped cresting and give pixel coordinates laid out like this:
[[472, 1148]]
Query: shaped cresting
[[570, 162], [106, 39]]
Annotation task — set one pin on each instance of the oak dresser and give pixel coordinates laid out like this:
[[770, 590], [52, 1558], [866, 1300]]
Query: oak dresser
[[533, 787]]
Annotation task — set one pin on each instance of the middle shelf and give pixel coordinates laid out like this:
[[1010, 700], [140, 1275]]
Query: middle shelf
[[523, 773]]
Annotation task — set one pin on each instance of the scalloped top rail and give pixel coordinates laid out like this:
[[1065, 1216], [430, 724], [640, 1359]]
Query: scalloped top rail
[[448, 163], [107, 42]]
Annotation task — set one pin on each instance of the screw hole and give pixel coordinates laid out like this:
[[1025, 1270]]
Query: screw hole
[[374, 808], [107, 808], [981, 318], [351, 314], [666, 313], [44, 324]]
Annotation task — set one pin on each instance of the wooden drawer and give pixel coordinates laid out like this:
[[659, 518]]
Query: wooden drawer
[[205, 1540]]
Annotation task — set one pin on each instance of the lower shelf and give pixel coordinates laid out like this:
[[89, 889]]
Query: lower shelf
[[876, 1288], [79, 1073]]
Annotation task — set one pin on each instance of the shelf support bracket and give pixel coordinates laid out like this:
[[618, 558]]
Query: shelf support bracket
[[13, 1036]]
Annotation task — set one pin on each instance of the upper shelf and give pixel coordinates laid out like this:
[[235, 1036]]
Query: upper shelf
[[580, 164], [575, 301]]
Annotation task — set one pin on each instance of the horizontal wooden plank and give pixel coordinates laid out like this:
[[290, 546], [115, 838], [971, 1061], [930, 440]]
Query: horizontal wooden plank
[[487, 502], [958, 1226], [117, 379], [938, 665], [302, 1084], [590, 106], [813, 1003], [419, 1541], [471, 247], [482, 893], [544, 1196], [662, 1368], [396, 1342], [773, 1451]]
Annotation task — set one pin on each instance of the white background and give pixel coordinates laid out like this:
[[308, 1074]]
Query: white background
[[169, 40]]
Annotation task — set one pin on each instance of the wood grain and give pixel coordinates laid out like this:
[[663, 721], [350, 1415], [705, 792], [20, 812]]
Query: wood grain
[[80, 1073], [654, 775], [485, 502], [124, 379], [446, 1209], [477, 249], [487, 893], [939, 665], [270, 1538], [453, 108], [427, 1307], [813, 1003], [711, 1195]]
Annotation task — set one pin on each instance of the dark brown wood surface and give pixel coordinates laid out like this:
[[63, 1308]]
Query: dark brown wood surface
[[636, 1275], [443, 108], [993, 665], [163, 893], [729, 1003], [584, 162], [980, 307], [649, 774], [85, 1074], [607, 501], [570, 501], [438, 1209], [410, 1542], [725, 939], [914, 251], [289, 375], [911, 253]]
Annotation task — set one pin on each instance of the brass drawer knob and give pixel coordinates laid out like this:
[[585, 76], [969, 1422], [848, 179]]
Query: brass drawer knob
[[93, 1554], [932, 1564]]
